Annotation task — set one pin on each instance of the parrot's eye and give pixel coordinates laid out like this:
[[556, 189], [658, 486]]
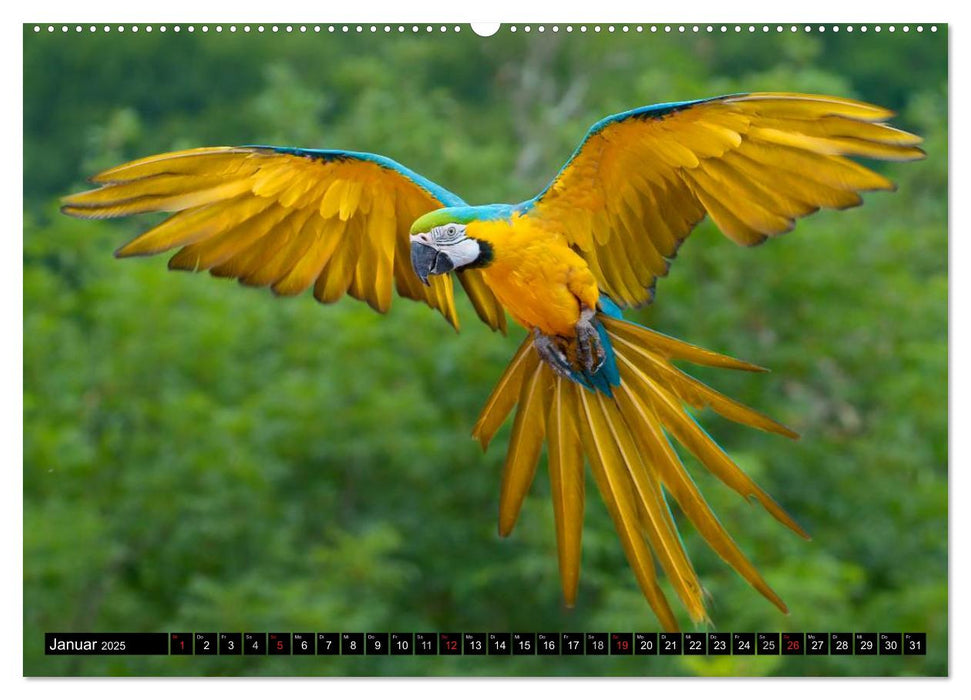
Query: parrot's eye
[[448, 234]]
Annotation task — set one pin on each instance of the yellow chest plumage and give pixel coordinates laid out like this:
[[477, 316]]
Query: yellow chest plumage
[[535, 275]]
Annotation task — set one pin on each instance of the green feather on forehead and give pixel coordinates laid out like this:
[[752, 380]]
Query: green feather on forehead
[[461, 215]]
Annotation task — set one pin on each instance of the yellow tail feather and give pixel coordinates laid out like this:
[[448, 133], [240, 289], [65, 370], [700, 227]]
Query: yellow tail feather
[[625, 439], [566, 485], [525, 445]]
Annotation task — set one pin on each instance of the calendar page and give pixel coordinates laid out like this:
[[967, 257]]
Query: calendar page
[[386, 349]]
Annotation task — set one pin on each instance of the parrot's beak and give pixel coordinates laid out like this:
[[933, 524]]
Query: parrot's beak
[[427, 261]]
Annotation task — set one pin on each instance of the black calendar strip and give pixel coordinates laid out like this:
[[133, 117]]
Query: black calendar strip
[[486, 643], [105, 643]]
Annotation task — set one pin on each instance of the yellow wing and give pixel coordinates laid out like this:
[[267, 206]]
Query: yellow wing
[[288, 219], [641, 180]]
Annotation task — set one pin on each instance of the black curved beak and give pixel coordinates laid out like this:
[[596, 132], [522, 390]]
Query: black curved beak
[[427, 261]]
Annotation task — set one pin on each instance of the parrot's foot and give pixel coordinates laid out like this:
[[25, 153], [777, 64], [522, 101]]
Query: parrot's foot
[[590, 350], [587, 350], [550, 351]]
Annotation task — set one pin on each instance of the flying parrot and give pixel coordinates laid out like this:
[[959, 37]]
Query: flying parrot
[[588, 384]]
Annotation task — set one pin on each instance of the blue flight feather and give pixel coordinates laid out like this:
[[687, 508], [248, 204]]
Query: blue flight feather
[[611, 309]]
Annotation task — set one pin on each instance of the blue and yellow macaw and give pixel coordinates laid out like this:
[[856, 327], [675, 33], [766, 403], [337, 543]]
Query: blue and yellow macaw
[[563, 264]]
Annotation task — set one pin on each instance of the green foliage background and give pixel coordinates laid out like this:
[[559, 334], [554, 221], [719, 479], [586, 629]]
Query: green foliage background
[[203, 457]]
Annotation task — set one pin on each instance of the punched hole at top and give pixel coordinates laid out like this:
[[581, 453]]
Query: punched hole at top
[[485, 28]]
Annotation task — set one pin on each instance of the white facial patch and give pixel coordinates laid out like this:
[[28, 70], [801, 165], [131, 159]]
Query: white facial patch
[[451, 240], [461, 253]]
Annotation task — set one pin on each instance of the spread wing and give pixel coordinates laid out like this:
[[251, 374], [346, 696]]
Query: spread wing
[[286, 218], [641, 180]]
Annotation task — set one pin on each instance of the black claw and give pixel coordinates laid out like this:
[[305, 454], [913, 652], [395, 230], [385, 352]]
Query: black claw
[[550, 352], [590, 350]]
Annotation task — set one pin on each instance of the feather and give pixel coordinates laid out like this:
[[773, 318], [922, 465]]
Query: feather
[[653, 443], [335, 278], [350, 198], [806, 106], [624, 437], [655, 515], [658, 396], [768, 195], [275, 179], [615, 488], [380, 238], [256, 257], [727, 200], [278, 261], [505, 395], [566, 484], [697, 394], [483, 300], [724, 215], [306, 269], [263, 214], [217, 249], [525, 444], [120, 205], [835, 146], [640, 181], [330, 203], [796, 187], [443, 299], [214, 161], [194, 225], [671, 348]]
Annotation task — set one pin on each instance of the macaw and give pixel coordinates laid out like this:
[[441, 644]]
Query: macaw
[[590, 385]]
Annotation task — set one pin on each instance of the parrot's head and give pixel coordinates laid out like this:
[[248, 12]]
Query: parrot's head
[[440, 243]]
